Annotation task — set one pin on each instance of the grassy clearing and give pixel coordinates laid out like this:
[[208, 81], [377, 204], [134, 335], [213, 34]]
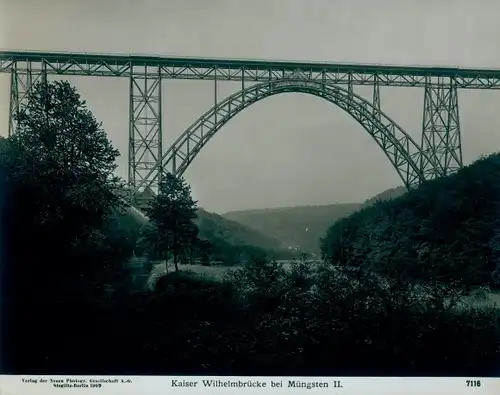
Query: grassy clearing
[[216, 272]]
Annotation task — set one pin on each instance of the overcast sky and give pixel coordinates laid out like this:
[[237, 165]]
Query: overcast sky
[[291, 149]]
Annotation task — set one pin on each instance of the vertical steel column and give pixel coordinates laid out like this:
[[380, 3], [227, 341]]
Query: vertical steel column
[[350, 88], [22, 79], [145, 127], [20, 85], [243, 83], [216, 100], [159, 149], [441, 128], [376, 97]]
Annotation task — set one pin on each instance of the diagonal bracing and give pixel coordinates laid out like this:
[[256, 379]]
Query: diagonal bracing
[[145, 129], [441, 129], [94, 64]]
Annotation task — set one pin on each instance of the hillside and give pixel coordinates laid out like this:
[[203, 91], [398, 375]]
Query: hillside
[[272, 230], [212, 226], [233, 241], [386, 195], [230, 239], [303, 226], [447, 230], [293, 226]]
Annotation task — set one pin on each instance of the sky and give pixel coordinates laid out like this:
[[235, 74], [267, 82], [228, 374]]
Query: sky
[[287, 150]]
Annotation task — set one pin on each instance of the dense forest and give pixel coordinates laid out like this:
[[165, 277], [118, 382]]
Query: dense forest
[[397, 293], [447, 230]]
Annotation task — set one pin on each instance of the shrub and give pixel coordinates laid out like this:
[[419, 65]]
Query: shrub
[[352, 321], [266, 319]]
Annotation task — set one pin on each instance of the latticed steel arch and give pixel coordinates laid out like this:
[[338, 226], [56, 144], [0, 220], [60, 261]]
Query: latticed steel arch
[[402, 151]]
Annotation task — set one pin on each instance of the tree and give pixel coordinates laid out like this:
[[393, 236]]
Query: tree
[[172, 213], [205, 249], [59, 187]]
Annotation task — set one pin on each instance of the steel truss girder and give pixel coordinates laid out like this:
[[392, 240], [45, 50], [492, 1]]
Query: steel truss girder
[[441, 129], [145, 130], [237, 70], [22, 79], [402, 151]]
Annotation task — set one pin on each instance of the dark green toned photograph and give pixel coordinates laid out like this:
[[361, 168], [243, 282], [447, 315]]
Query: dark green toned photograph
[[190, 200]]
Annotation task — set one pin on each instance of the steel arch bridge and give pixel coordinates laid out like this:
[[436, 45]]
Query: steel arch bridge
[[438, 153], [402, 151]]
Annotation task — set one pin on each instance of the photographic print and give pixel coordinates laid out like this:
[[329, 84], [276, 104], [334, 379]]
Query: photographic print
[[250, 189]]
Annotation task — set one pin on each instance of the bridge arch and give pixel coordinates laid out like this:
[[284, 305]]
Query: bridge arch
[[402, 151]]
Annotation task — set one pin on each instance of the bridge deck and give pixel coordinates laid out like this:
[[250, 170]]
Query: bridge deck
[[67, 63]]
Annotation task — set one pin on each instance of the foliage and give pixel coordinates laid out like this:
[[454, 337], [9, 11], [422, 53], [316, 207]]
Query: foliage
[[445, 231], [58, 191], [67, 238], [388, 194], [186, 280], [172, 214], [146, 244], [270, 320]]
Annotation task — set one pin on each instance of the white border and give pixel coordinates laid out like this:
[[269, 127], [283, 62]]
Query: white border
[[156, 385]]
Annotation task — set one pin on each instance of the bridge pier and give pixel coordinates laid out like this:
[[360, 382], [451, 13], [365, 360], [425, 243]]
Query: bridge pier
[[441, 128], [22, 79], [145, 127]]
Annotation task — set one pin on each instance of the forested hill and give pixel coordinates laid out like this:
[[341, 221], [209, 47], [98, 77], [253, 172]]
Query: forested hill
[[447, 229], [303, 226], [230, 239], [294, 226], [213, 226], [233, 242]]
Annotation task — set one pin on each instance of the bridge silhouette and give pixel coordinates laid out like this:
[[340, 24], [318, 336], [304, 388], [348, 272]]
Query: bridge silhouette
[[438, 153]]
